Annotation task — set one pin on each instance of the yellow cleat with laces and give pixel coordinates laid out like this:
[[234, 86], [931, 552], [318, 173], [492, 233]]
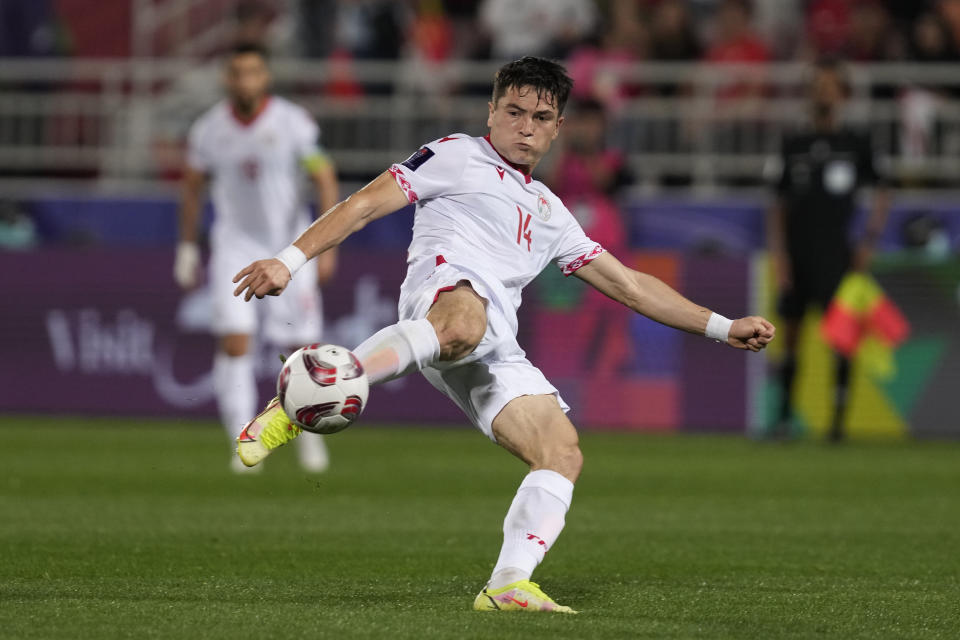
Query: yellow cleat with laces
[[521, 595], [270, 430]]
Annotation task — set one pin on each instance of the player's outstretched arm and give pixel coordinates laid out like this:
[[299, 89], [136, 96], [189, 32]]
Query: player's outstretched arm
[[655, 299], [270, 277]]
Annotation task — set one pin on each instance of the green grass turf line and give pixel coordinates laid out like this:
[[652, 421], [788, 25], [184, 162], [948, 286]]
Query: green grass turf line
[[108, 531]]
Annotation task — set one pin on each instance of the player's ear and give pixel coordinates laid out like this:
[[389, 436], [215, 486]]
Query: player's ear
[[556, 131], [490, 108]]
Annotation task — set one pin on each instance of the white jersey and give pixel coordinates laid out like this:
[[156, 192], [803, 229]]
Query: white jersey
[[256, 170], [476, 211]]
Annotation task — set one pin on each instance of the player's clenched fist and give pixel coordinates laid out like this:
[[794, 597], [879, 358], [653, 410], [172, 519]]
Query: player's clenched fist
[[262, 278], [753, 333]]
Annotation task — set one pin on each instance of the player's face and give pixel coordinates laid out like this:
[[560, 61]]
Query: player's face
[[247, 80], [827, 90], [522, 126]]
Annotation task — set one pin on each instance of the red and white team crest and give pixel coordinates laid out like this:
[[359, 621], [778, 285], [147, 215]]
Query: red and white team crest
[[250, 169], [543, 206]]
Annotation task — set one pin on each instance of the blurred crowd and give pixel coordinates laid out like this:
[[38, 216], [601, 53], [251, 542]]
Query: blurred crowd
[[603, 43], [624, 30], [663, 30]]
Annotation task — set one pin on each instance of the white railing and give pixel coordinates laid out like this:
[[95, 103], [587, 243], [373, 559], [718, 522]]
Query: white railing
[[116, 121]]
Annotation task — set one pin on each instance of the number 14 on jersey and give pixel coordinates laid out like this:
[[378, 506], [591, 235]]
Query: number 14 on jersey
[[523, 228]]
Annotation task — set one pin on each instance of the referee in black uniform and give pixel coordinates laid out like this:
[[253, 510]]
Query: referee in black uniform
[[822, 169]]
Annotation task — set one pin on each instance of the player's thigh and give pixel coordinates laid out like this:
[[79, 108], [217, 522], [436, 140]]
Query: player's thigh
[[535, 429], [295, 317], [459, 316]]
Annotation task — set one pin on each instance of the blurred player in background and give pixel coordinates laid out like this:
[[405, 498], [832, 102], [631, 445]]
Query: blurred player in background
[[822, 169], [483, 230], [253, 148]]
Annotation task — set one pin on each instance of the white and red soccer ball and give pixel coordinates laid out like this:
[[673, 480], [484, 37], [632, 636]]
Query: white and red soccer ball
[[322, 388]]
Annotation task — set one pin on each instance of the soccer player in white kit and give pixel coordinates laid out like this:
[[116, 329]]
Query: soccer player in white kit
[[484, 228], [253, 147]]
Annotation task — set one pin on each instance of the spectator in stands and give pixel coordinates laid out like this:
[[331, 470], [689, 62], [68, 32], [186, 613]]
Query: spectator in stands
[[371, 29], [872, 36], [253, 22], [736, 39], [921, 131], [820, 172], [589, 176], [828, 27], [736, 110], [430, 44], [431, 32], [931, 41], [949, 11], [860, 30], [603, 71], [736, 42], [673, 36], [520, 28], [317, 31]]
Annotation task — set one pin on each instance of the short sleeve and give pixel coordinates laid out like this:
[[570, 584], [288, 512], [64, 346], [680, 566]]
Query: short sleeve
[[433, 170], [199, 154], [576, 249]]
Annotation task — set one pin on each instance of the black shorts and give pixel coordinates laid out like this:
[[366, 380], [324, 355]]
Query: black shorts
[[810, 286]]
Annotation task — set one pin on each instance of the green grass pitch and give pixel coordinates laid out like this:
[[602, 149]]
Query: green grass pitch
[[138, 530]]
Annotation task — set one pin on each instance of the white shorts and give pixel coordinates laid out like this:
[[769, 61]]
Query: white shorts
[[497, 371], [295, 318]]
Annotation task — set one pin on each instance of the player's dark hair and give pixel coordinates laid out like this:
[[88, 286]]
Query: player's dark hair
[[548, 78], [248, 48]]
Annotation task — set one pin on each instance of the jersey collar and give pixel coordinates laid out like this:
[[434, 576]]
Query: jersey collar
[[522, 168], [246, 121]]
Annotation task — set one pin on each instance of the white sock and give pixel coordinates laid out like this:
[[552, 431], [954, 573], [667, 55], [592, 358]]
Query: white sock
[[312, 452], [236, 389], [533, 523], [402, 348]]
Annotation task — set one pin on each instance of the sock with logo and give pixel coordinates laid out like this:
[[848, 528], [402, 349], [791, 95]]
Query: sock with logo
[[533, 523]]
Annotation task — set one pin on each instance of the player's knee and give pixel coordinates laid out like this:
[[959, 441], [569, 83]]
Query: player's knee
[[460, 338], [235, 345], [460, 320], [566, 459], [459, 333], [572, 462]]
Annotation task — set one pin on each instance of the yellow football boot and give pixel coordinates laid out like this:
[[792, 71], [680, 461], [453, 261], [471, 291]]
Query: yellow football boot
[[521, 595], [269, 430]]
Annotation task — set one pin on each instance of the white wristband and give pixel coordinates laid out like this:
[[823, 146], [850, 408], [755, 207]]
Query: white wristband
[[718, 327], [186, 264], [292, 258]]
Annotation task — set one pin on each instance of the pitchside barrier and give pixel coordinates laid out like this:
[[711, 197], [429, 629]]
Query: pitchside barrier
[[122, 123], [104, 330]]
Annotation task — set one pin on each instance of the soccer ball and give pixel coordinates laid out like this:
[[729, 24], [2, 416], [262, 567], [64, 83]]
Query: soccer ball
[[322, 388]]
